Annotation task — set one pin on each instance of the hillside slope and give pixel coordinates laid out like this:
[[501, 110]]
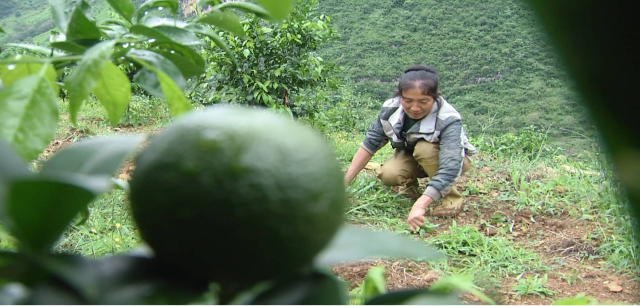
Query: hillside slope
[[496, 65], [494, 60]]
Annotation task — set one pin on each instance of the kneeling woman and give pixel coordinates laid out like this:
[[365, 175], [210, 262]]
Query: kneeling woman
[[427, 135]]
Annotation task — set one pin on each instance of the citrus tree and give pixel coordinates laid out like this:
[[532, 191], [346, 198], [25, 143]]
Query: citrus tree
[[270, 64], [161, 50], [36, 206]]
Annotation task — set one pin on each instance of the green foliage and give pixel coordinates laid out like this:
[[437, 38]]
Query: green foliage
[[530, 142], [28, 109], [30, 205], [533, 285], [159, 50], [345, 111], [272, 64]]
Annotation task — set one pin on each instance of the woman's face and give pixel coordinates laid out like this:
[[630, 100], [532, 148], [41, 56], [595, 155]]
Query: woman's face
[[416, 104]]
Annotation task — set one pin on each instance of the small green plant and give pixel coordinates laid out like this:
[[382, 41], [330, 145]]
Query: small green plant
[[533, 285], [427, 227], [579, 299], [572, 277], [373, 285], [144, 112]]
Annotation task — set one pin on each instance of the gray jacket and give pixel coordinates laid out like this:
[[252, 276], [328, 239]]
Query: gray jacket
[[442, 125]]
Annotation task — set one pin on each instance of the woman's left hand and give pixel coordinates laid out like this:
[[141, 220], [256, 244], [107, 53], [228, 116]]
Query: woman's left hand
[[416, 216]]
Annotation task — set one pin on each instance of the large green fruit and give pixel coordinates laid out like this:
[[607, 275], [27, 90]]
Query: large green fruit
[[237, 195]]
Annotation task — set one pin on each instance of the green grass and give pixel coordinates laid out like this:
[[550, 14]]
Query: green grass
[[472, 252], [578, 184], [109, 229]]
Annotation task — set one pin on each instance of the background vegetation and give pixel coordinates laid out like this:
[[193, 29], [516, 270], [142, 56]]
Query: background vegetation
[[496, 67], [496, 64]]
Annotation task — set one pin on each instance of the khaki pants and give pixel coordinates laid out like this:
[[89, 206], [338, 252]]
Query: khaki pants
[[404, 169]]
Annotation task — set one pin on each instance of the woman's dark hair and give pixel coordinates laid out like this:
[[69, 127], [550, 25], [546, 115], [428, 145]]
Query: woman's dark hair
[[419, 76]]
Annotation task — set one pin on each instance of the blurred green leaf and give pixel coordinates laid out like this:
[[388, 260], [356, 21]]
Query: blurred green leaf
[[124, 8], [153, 22], [414, 297], [463, 283], [373, 284], [28, 115], [114, 280], [36, 49], [38, 209], [246, 7], [113, 90], [14, 72], [120, 184], [11, 166], [114, 31], [158, 62], [178, 103], [160, 69], [2, 31], [187, 52], [59, 14], [129, 279], [85, 76], [579, 299], [112, 21], [18, 268], [167, 34], [200, 29], [352, 243], [70, 47], [100, 157], [53, 292], [187, 67], [13, 294], [172, 5], [225, 20], [278, 9], [80, 27], [316, 288], [147, 78], [605, 75]]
